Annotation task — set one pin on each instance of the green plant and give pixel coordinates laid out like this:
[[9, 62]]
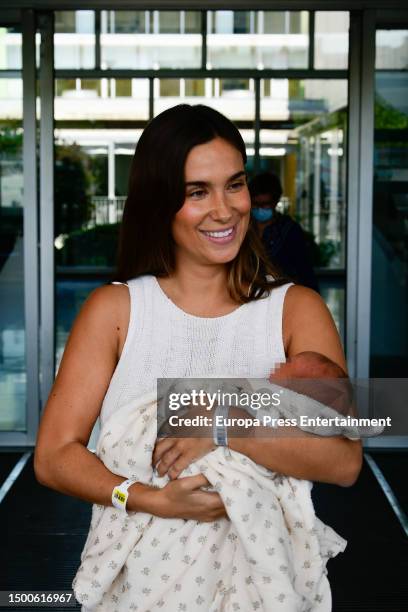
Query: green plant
[[72, 192], [327, 249], [96, 246]]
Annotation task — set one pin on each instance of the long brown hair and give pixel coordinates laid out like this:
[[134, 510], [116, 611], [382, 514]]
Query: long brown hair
[[157, 191]]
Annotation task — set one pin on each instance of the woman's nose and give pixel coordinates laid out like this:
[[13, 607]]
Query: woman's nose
[[220, 210]]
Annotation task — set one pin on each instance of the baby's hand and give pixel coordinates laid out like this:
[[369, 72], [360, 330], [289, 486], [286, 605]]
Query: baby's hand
[[307, 373]]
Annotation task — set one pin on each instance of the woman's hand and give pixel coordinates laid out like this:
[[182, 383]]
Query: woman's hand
[[183, 498], [172, 455], [184, 442]]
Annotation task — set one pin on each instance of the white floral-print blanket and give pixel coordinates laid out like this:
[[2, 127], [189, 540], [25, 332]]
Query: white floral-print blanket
[[270, 555]]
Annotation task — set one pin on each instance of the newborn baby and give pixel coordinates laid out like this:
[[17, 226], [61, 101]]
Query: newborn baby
[[308, 375]]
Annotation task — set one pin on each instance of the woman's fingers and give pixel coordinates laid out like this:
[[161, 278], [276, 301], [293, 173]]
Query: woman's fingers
[[211, 500], [182, 461], [162, 446], [167, 460], [194, 482], [177, 454], [185, 499], [212, 505], [172, 457]]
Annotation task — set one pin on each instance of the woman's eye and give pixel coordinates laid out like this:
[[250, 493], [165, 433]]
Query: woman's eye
[[197, 194], [236, 186]]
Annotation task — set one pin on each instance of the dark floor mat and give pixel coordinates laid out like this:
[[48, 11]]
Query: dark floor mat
[[45, 562], [370, 575], [394, 466], [7, 462], [45, 537], [47, 531], [35, 509]]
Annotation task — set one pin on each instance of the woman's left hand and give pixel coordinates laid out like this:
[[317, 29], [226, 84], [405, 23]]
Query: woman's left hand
[[172, 455]]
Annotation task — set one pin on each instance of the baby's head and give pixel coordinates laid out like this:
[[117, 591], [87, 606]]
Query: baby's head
[[305, 374], [308, 364]]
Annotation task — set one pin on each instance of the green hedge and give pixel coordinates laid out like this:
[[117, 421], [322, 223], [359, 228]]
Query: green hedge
[[93, 247]]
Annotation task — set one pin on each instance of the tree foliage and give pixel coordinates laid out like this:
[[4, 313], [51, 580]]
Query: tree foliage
[[387, 116], [72, 188]]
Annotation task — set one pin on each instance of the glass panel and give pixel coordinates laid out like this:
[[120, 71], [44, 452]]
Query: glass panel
[[331, 39], [321, 198], [194, 87], [305, 148], [262, 39], [169, 22], [10, 48], [301, 101], [13, 379], [170, 88], [389, 291], [123, 88], [234, 98], [274, 22], [123, 22], [285, 22], [74, 39], [112, 99], [192, 22], [93, 151], [391, 49], [150, 39]]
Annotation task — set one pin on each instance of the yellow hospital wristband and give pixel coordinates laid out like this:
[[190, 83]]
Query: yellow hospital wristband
[[120, 494]]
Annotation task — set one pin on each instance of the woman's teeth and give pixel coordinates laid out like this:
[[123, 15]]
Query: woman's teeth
[[219, 234]]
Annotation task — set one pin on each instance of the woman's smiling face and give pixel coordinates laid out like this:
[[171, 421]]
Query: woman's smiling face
[[213, 221]]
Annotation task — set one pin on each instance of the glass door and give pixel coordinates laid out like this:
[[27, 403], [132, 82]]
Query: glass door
[[13, 380], [389, 294], [97, 123]]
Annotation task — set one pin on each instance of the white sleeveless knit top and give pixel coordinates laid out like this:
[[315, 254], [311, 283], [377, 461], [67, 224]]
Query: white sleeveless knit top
[[163, 341]]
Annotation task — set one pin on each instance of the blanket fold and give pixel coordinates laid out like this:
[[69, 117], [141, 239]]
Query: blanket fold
[[269, 555]]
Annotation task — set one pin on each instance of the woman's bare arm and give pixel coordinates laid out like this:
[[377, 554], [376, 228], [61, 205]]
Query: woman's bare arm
[[307, 326], [61, 460]]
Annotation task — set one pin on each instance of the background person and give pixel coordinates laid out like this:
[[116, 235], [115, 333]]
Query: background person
[[283, 238]]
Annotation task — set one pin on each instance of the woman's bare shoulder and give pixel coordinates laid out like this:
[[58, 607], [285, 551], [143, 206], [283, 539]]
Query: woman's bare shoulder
[[86, 368], [309, 326], [109, 295], [299, 297], [108, 307]]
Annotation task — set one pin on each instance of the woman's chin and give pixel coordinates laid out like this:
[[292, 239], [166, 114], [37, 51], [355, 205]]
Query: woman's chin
[[222, 255], [216, 256]]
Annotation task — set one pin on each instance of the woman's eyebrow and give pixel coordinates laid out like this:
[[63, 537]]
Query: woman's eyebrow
[[205, 183]]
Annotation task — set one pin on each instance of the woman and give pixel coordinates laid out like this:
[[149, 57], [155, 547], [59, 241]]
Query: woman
[[194, 307]]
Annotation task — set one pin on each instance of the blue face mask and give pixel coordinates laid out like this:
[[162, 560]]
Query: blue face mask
[[262, 214]]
